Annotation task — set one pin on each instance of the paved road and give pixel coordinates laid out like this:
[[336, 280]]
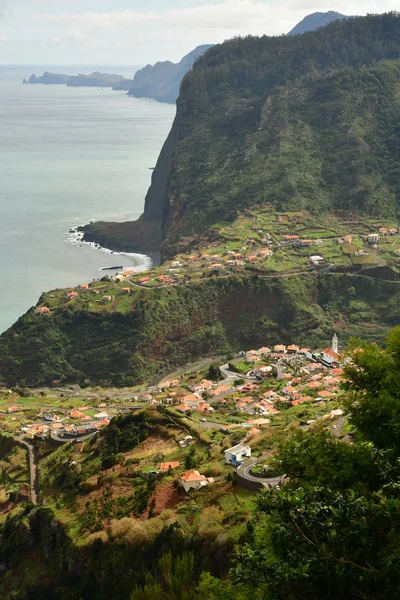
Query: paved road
[[33, 472], [212, 425], [244, 471], [65, 440], [233, 375]]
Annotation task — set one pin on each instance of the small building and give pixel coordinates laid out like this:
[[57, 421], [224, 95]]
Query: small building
[[183, 408], [84, 287], [52, 418], [166, 466], [316, 260], [15, 408], [280, 348], [100, 416], [72, 295], [373, 238], [293, 349], [76, 414], [126, 290], [190, 399], [193, 480], [237, 454], [43, 310]]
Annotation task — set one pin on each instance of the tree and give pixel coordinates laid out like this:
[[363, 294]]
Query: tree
[[373, 383]]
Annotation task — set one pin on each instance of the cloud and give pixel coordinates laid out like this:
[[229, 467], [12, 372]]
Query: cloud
[[148, 34], [245, 16]]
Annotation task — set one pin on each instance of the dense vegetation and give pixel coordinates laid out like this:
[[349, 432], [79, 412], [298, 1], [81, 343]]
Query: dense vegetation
[[307, 121], [303, 122], [332, 531], [171, 326]]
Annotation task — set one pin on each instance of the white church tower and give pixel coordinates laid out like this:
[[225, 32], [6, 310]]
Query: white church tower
[[335, 344]]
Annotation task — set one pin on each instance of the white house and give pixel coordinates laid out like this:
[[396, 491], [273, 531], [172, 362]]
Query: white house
[[193, 480], [316, 259], [100, 416], [237, 454]]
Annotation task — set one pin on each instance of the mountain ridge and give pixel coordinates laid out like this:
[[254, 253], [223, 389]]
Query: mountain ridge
[[230, 144], [317, 20], [162, 80]]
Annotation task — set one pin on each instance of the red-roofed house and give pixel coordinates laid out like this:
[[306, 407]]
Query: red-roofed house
[[313, 384], [76, 414], [325, 394], [193, 480], [183, 408], [43, 310], [337, 372], [279, 348], [293, 349], [288, 390], [190, 398], [72, 295]]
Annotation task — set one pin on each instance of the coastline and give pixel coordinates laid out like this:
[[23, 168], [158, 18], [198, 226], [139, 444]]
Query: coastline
[[138, 261]]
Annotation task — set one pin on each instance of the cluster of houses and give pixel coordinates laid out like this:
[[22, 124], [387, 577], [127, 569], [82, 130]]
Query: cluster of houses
[[317, 379], [60, 426]]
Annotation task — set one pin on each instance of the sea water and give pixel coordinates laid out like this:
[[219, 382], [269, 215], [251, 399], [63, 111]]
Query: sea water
[[68, 156]]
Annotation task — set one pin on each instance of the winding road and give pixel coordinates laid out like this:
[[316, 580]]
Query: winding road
[[267, 482], [33, 470]]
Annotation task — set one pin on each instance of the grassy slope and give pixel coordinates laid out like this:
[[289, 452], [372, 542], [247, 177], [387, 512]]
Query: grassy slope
[[174, 325]]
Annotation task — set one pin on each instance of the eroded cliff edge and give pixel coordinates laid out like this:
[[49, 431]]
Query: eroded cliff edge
[[298, 123]]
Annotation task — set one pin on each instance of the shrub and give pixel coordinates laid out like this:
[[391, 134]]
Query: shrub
[[3, 496], [133, 532], [98, 535], [210, 525]]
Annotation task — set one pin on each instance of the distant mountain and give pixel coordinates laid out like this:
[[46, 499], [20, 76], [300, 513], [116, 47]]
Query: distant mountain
[[49, 78], [95, 79], [162, 80], [317, 20]]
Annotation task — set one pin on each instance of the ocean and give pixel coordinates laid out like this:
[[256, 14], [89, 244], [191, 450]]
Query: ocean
[[68, 156]]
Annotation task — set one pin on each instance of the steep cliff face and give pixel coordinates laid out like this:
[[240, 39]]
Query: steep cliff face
[[306, 122], [297, 122]]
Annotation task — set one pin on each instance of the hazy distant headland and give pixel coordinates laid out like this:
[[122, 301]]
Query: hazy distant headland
[[96, 79]]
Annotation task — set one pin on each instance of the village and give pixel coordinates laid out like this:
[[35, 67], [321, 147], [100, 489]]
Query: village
[[238, 406], [262, 243]]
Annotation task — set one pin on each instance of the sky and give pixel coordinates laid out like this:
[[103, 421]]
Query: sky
[[138, 32]]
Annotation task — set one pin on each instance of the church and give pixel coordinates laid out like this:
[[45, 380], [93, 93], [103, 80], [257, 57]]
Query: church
[[331, 356]]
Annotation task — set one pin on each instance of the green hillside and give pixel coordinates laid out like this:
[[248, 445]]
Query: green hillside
[[307, 121], [171, 326]]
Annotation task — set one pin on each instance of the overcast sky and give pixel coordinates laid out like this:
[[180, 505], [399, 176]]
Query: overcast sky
[[136, 32]]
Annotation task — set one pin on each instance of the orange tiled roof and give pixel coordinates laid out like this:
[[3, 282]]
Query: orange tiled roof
[[193, 476]]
